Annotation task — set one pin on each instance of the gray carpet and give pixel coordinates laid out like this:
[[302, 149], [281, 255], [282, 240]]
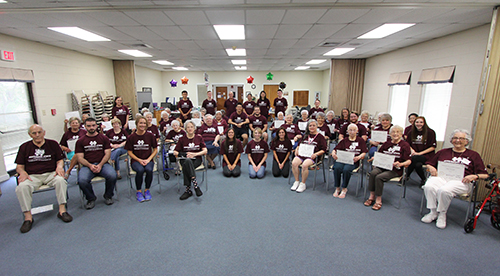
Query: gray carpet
[[243, 227]]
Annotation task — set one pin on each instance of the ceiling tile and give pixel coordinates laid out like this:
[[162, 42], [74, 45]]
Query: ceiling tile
[[113, 18], [292, 31], [380, 16], [307, 43], [110, 32], [153, 18], [8, 21], [200, 32], [302, 16], [209, 44], [266, 17], [261, 31], [321, 31], [283, 43], [233, 43], [169, 32], [335, 16], [40, 20], [140, 33], [190, 17], [258, 43], [186, 44], [77, 19], [456, 15], [352, 31], [226, 17]]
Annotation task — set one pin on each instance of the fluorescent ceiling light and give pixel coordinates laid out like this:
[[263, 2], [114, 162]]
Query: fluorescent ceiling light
[[230, 32], [316, 61], [135, 53], [163, 62], [3, 1], [385, 30], [338, 51], [239, 61], [302, 67], [78, 33], [180, 68], [240, 67], [236, 52]]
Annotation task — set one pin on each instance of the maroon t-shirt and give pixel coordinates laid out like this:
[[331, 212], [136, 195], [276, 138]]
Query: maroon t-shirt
[[469, 158], [69, 135], [194, 144], [248, 106], [324, 128], [401, 150], [238, 118], [264, 106], [317, 140], [407, 130], [292, 130], [368, 127], [154, 130], [121, 113], [210, 106], [340, 123], [418, 145], [361, 130], [358, 146], [280, 105], [93, 147], [185, 106], [221, 123], [208, 132], [165, 124], [282, 148], [141, 145], [313, 111], [116, 138], [258, 121], [379, 127], [230, 106], [38, 160], [172, 135], [257, 150], [231, 153]]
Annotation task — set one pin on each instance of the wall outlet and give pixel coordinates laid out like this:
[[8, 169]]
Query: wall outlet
[[44, 113]]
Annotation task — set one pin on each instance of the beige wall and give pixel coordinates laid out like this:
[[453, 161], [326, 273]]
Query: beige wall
[[145, 77], [465, 50]]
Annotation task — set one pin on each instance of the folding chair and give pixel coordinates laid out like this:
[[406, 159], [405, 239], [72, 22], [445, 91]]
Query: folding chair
[[131, 173], [41, 189], [319, 161], [359, 170], [203, 167], [399, 181], [96, 179]]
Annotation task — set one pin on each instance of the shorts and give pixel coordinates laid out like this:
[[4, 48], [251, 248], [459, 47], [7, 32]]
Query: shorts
[[240, 131]]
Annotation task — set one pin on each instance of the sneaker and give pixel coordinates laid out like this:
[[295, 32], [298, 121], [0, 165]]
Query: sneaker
[[90, 204], [441, 221], [108, 201], [147, 195], [140, 197], [197, 191], [65, 217], [430, 217], [301, 188], [295, 185], [187, 194], [26, 227]]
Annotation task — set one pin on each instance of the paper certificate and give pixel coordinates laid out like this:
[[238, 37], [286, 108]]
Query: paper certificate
[[332, 128], [306, 150], [131, 125], [68, 115], [322, 132], [302, 126], [278, 123], [451, 171], [383, 161], [379, 136], [196, 121], [345, 157], [106, 126], [72, 144], [220, 129], [154, 122]]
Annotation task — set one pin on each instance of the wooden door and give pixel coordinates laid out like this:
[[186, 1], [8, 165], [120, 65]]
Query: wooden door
[[271, 92], [221, 94], [241, 97], [300, 98]]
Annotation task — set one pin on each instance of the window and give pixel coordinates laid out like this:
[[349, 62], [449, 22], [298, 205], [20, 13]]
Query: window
[[398, 103], [435, 105]]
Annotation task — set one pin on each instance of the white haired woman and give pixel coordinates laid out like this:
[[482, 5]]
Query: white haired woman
[[211, 138], [438, 191]]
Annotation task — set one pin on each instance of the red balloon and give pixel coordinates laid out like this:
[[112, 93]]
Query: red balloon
[[250, 79], [184, 80]]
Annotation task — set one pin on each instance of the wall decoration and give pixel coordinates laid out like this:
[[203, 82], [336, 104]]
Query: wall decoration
[[184, 80], [269, 76], [253, 86], [250, 79], [173, 83], [282, 85]]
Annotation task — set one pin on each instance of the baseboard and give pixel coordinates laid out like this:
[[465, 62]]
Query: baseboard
[[4, 177]]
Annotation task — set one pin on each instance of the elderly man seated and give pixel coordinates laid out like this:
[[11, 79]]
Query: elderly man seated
[[40, 162]]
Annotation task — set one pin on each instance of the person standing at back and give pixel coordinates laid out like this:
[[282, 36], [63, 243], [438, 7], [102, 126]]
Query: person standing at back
[[210, 104], [230, 104], [264, 104], [248, 106], [185, 106], [280, 103]]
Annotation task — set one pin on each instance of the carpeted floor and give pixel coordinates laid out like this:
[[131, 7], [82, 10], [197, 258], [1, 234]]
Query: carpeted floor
[[243, 227]]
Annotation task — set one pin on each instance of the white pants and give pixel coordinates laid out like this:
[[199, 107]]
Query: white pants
[[26, 188], [439, 192]]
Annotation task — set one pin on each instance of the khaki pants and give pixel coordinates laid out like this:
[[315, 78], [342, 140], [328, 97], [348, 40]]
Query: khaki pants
[[25, 189]]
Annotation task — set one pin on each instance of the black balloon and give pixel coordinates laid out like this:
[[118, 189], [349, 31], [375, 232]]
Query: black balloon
[[282, 85]]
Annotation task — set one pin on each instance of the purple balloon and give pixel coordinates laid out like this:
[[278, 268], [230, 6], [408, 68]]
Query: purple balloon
[[173, 83]]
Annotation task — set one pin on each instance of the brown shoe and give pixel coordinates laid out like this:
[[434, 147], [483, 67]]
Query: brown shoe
[[65, 217], [26, 227], [369, 202], [377, 206]]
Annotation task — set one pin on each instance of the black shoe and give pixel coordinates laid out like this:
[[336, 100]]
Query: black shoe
[[187, 194], [90, 204], [65, 217], [214, 167], [26, 227], [108, 201], [198, 192]]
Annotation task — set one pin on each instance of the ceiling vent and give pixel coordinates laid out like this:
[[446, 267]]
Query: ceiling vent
[[329, 44], [142, 45]]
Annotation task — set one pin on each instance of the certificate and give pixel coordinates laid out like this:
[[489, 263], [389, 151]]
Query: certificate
[[379, 136], [68, 115], [72, 144], [278, 123], [154, 122], [306, 150], [383, 161], [451, 171], [106, 126], [220, 129], [131, 125], [322, 132], [346, 157], [196, 121], [332, 128], [302, 126]]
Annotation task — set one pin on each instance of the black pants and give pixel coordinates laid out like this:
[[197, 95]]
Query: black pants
[[281, 172], [235, 172], [417, 161], [188, 169]]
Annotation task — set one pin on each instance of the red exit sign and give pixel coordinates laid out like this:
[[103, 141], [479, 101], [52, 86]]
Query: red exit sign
[[7, 55]]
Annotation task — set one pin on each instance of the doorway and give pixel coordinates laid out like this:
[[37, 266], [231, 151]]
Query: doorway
[[300, 98], [222, 93]]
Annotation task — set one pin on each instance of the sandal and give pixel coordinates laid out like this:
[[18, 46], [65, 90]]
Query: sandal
[[377, 206], [369, 202], [336, 194], [343, 193]]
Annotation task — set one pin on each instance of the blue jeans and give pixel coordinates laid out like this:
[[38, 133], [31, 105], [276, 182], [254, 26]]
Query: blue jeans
[[372, 151], [295, 145], [211, 149], [85, 177], [139, 172], [115, 156], [344, 171], [259, 174]]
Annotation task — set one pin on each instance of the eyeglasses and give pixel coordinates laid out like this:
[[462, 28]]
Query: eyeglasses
[[459, 138]]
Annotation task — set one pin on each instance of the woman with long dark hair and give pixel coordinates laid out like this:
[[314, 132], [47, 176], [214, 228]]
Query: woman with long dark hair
[[422, 140], [264, 104], [282, 148], [231, 150], [120, 111]]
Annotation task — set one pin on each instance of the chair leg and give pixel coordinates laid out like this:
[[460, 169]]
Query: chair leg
[[422, 202]]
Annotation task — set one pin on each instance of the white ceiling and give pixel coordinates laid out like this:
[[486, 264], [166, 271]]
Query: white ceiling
[[280, 34]]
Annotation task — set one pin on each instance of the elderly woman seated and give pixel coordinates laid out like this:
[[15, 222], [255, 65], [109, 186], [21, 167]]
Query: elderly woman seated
[[385, 120], [211, 138], [302, 122], [117, 137], [273, 128], [440, 191]]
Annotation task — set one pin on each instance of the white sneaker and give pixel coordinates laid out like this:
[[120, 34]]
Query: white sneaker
[[441, 221], [295, 185], [301, 188], [430, 217]]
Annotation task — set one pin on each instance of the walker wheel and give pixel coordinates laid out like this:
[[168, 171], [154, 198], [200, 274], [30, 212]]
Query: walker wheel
[[469, 226], [495, 220], [166, 176]]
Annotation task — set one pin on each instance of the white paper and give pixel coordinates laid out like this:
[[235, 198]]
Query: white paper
[[302, 126], [332, 128], [72, 144], [221, 129], [451, 171], [346, 157], [196, 121], [41, 209], [154, 122], [68, 115], [383, 161], [379, 136], [321, 132], [278, 123], [107, 126], [131, 124], [168, 129], [306, 150]]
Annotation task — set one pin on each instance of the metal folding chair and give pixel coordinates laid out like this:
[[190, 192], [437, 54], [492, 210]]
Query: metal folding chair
[[399, 181], [95, 180], [202, 168], [131, 173], [41, 189]]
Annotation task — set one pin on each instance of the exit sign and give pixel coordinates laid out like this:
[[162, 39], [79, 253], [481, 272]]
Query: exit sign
[[7, 55]]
